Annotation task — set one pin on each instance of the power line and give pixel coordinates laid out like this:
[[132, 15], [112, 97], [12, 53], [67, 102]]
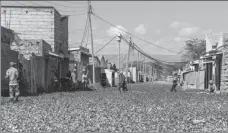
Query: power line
[[131, 33], [105, 45], [124, 58], [63, 5], [74, 2], [117, 55], [134, 46], [57, 9], [85, 31], [19, 3], [77, 14]]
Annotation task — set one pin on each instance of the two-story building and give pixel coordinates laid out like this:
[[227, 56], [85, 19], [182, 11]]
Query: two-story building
[[40, 23]]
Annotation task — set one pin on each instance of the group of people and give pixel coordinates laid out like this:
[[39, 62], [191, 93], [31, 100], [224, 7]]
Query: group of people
[[71, 80]]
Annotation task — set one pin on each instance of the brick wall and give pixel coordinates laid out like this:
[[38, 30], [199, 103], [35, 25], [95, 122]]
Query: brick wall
[[30, 23], [37, 23]]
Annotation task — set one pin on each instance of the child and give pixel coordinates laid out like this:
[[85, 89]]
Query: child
[[212, 88], [74, 79], [175, 79]]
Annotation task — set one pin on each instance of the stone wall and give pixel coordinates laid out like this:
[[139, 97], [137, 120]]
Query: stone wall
[[29, 47], [224, 73]]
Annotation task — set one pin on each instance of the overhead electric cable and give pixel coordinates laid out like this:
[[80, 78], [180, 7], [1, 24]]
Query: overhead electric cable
[[116, 55], [85, 30], [105, 45], [131, 33], [63, 5]]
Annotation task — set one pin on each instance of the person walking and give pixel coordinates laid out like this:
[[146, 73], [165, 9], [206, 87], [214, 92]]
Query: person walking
[[74, 79], [121, 84], [12, 75], [175, 79], [56, 79], [84, 79]]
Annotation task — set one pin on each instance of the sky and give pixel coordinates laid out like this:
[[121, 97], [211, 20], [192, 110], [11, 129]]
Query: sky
[[167, 24]]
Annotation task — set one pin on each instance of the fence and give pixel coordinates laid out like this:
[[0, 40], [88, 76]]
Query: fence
[[37, 74]]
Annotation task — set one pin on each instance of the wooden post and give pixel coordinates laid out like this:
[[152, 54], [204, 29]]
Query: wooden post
[[127, 62], [91, 35]]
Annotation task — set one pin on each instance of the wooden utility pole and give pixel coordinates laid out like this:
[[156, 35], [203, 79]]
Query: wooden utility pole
[[10, 19], [128, 56], [91, 34]]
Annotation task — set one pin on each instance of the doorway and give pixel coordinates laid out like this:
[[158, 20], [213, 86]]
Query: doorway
[[218, 71]]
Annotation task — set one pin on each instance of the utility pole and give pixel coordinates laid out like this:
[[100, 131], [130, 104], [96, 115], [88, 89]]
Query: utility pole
[[91, 34], [128, 54], [10, 19], [119, 40], [138, 62]]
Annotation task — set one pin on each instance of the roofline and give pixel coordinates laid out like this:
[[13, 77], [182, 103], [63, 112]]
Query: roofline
[[52, 7], [73, 49], [29, 6]]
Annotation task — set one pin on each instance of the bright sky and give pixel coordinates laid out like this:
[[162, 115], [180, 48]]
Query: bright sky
[[164, 23]]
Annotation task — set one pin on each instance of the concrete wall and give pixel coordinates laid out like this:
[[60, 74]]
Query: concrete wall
[[64, 34]]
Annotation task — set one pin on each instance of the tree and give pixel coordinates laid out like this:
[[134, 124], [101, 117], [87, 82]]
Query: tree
[[194, 48]]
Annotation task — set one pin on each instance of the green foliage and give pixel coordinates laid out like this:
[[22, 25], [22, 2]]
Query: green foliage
[[194, 48]]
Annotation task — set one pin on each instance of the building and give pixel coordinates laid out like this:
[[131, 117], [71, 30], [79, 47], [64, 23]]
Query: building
[[79, 58], [216, 59], [40, 23], [97, 61]]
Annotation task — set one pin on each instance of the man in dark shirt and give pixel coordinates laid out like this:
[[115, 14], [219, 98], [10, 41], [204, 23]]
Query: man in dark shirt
[[175, 79]]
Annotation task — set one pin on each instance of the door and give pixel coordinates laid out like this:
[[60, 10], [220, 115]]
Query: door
[[208, 75], [218, 71]]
